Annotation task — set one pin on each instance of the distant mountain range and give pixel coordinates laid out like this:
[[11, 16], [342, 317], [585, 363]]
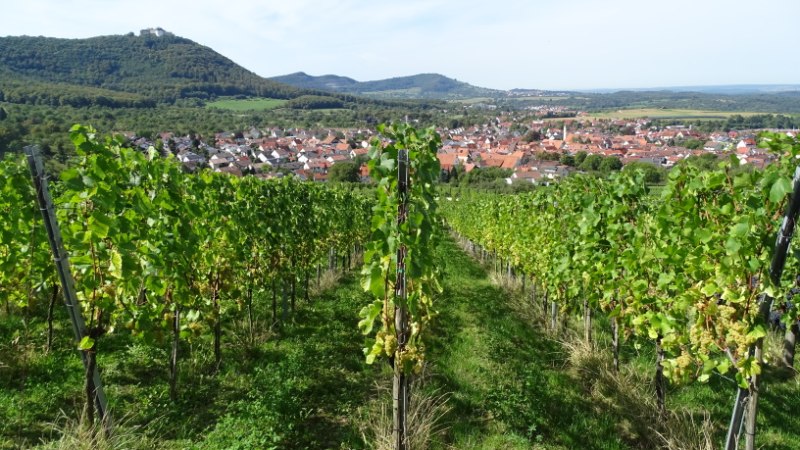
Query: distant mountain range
[[435, 86], [145, 70], [425, 86], [136, 71]]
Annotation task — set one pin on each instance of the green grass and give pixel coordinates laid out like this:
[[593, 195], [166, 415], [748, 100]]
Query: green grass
[[543, 98], [507, 379], [510, 385], [250, 104], [297, 388], [474, 100]]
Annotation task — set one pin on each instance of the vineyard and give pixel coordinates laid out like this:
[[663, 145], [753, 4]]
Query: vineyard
[[165, 255], [696, 270], [221, 312]]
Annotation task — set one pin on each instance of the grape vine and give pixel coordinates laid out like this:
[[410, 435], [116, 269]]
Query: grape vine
[[399, 268], [686, 269], [166, 255]]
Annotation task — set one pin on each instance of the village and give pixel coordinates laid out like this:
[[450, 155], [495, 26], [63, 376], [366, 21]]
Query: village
[[532, 151]]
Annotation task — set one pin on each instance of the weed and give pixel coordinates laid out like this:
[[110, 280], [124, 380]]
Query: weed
[[71, 434], [426, 417]]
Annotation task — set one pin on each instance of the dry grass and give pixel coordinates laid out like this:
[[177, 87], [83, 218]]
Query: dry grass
[[630, 395], [425, 419], [249, 341], [683, 430], [71, 434], [329, 279]]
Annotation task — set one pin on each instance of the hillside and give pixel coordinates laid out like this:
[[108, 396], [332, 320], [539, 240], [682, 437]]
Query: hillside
[[303, 80], [124, 70], [425, 86]]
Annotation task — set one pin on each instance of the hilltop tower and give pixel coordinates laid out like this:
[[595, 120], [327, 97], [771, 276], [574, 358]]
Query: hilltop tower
[[157, 32]]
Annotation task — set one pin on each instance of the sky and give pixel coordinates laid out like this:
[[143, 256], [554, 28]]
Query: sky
[[500, 44]]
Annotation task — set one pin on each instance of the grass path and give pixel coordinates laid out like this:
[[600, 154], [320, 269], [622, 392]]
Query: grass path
[[509, 388]]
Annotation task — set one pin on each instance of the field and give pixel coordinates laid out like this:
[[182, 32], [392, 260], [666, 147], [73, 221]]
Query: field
[[474, 100], [542, 98], [250, 104], [658, 113]]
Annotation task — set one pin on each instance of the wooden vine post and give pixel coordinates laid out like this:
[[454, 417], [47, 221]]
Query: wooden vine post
[[399, 267], [94, 387], [745, 408], [401, 385]]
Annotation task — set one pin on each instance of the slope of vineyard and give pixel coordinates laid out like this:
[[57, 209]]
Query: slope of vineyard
[[306, 385], [688, 271], [211, 314], [168, 257]]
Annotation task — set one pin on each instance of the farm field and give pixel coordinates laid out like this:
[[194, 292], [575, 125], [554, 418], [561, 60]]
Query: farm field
[[250, 104], [658, 113]]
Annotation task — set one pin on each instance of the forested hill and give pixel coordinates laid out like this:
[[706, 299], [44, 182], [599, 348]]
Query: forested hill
[[425, 86], [334, 83], [122, 70]]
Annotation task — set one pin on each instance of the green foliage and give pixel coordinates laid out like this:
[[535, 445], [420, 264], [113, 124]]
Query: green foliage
[[483, 175], [345, 171], [548, 156], [652, 173], [431, 86], [591, 162], [532, 135], [691, 144], [413, 236], [25, 268], [150, 243], [597, 163], [133, 71], [610, 164], [315, 102], [580, 157], [154, 69], [780, 103], [706, 161], [687, 270], [48, 126]]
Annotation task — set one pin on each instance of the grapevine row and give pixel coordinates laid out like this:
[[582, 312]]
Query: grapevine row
[[687, 268], [165, 254]]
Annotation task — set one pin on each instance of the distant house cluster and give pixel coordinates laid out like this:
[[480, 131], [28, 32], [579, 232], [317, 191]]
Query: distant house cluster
[[265, 153], [496, 144], [308, 155]]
